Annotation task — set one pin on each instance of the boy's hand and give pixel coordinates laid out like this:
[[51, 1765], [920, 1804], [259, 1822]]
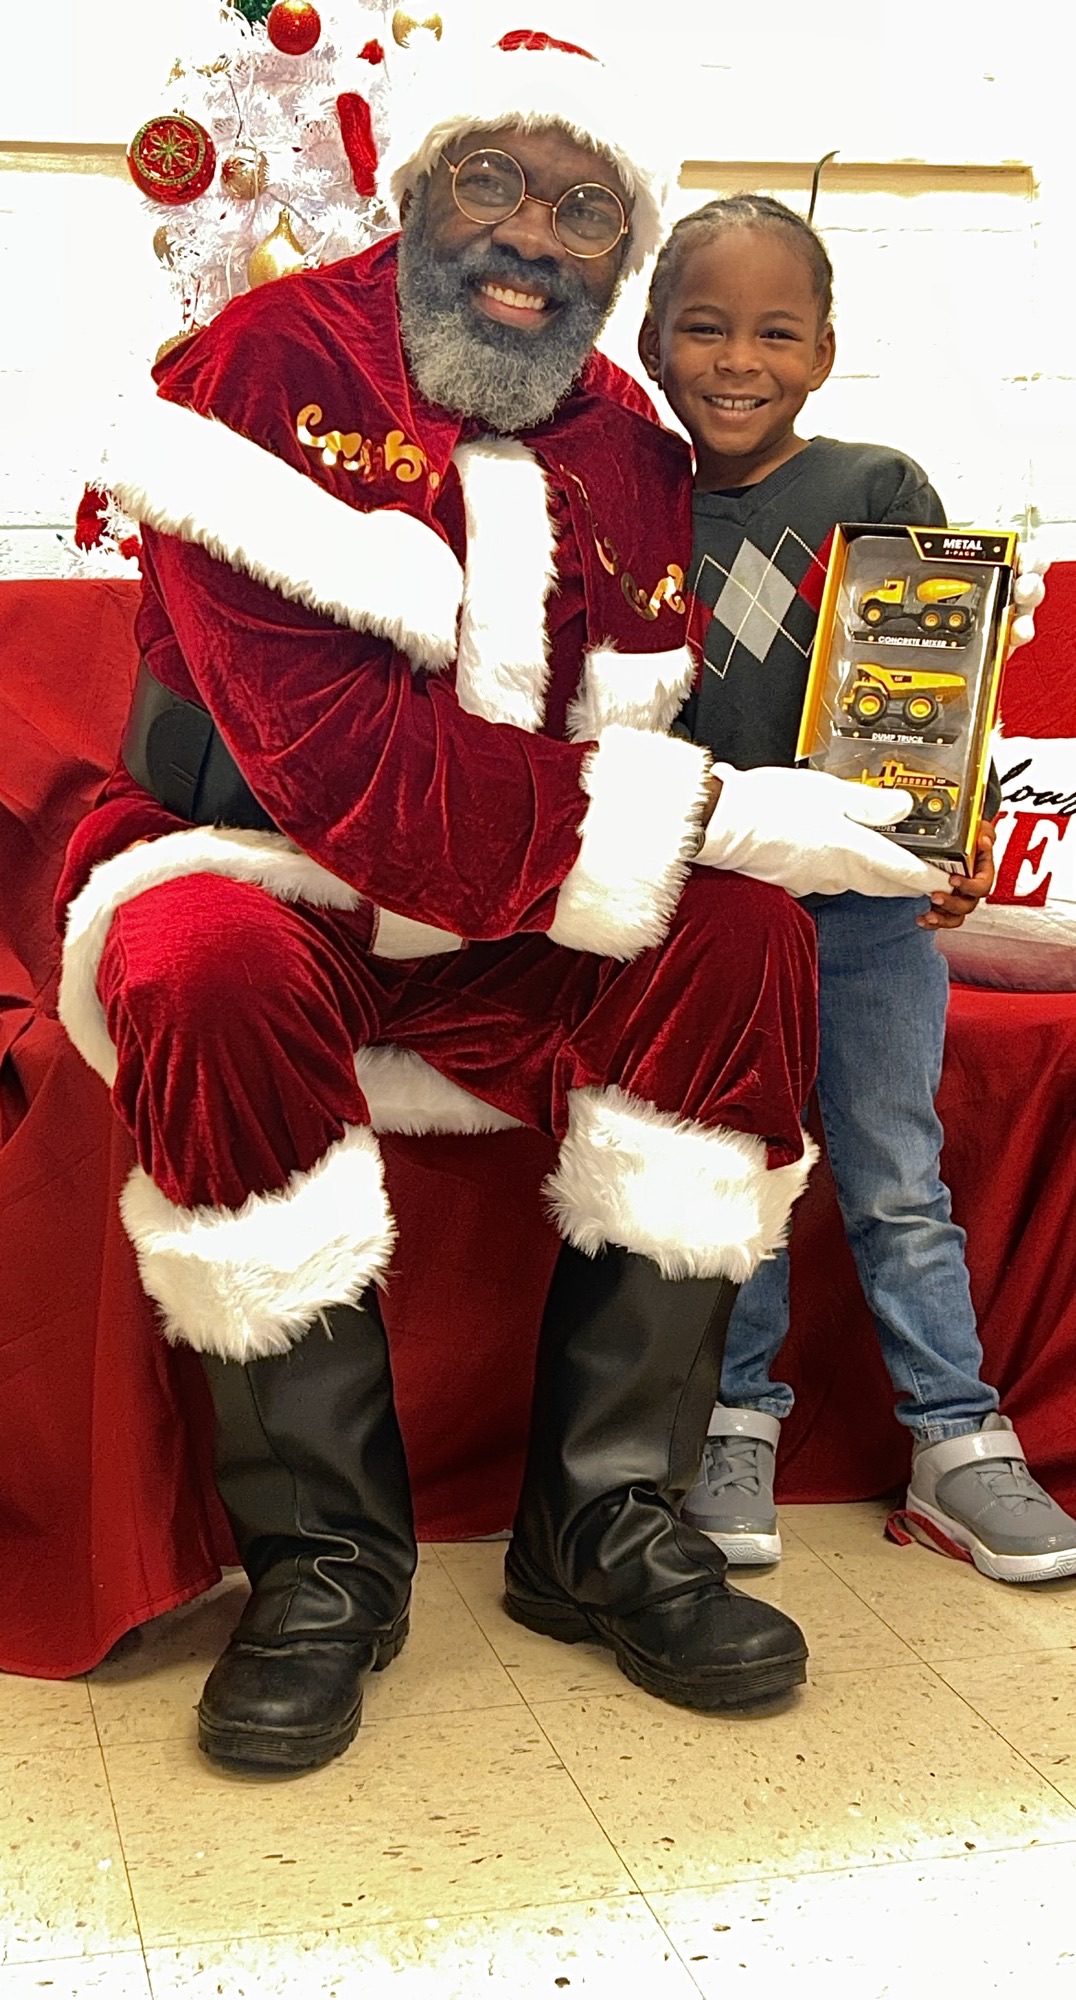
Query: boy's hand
[[949, 911]]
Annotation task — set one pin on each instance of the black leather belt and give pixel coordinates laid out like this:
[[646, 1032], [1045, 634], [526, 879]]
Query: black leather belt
[[176, 751]]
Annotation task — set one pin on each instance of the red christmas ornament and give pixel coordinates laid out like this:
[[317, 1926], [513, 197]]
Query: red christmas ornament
[[293, 26], [172, 158], [356, 132], [371, 52]]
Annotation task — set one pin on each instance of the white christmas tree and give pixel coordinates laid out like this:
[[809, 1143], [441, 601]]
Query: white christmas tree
[[276, 123], [260, 160]]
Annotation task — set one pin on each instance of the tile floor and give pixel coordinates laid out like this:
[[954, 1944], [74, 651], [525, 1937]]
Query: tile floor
[[515, 1820]]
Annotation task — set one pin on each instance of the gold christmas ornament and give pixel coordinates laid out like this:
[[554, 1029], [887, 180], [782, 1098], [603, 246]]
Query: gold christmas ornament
[[163, 245], [175, 340], [276, 255], [404, 25], [244, 173]]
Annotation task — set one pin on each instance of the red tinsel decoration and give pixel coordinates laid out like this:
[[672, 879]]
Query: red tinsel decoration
[[356, 130], [90, 518], [535, 39]]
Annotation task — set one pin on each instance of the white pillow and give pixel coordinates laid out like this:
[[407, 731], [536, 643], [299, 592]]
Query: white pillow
[[1024, 936]]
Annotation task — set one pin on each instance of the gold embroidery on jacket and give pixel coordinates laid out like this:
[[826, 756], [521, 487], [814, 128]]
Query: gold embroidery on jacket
[[647, 604], [368, 457]]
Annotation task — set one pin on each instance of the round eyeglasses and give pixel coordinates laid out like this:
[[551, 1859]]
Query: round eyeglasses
[[488, 187]]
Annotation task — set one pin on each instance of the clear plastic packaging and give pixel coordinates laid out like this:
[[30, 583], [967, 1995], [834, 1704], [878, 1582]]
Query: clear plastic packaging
[[905, 674]]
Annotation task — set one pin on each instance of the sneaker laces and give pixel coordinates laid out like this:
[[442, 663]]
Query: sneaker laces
[[730, 1464], [1010, 1482]]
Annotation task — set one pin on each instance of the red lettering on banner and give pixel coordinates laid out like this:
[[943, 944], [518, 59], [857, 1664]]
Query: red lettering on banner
[[1019, 851]]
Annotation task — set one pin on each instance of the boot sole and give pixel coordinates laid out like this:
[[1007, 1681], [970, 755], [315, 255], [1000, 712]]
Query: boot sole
[[742, 1550], [735, 1688], [272, 1753], [950, 1537]]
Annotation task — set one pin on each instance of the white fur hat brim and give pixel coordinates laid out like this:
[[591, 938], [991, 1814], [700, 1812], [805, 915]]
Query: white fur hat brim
[[534, 89]]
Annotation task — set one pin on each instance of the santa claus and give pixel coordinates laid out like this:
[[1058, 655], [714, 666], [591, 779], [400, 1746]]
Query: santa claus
[[399, 841]]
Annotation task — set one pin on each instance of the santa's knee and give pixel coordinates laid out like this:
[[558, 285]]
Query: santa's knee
[[759, 921], [220, 1071], [197, 964]]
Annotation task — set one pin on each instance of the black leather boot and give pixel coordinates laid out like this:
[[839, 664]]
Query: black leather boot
[[311, 1470], [629, 1365]]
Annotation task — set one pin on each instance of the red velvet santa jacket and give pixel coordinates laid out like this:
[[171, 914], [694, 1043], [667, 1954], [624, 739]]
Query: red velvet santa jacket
[[411, 638]]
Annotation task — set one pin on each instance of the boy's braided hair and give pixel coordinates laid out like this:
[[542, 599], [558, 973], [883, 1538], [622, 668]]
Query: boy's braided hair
[[739, 211]]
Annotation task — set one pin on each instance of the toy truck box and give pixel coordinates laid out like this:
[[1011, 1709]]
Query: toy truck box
[[905, 675]]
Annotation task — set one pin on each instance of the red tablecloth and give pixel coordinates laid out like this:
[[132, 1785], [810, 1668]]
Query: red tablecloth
[[106, 1499]]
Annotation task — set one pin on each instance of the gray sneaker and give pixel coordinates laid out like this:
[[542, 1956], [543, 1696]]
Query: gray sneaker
[[732, 1499], [974, 1497]]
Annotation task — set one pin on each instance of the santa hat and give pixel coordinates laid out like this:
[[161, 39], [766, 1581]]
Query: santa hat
[[530, 80]]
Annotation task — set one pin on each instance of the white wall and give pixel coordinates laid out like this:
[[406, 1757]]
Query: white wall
[[956, 332]]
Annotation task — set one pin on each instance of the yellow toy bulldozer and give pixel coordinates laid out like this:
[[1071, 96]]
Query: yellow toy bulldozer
[[934, 798], [941, 606]]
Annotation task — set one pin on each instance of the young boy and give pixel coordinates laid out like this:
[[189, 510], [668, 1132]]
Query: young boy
[[738, 334]]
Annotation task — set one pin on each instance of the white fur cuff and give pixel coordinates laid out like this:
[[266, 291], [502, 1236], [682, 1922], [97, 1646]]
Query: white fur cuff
[[646, 793], [699, 1201], [405, 1094], [243, 1283], [641, 690], [407, 937], [383, 572]]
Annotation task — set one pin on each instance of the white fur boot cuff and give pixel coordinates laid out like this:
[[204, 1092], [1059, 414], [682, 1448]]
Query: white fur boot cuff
[[244, 1283], [699, 1201]]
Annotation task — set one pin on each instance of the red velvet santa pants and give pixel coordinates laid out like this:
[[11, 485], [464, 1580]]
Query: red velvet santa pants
[[243, 1024]]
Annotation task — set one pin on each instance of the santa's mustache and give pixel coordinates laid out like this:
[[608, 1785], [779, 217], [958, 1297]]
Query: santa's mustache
[[502, 264]]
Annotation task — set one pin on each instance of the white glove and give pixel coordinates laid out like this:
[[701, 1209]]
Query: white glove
[[813, 835], [1028, 592]]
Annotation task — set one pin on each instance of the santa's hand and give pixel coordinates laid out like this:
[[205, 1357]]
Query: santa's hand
[[1028, 592], [813, 835]]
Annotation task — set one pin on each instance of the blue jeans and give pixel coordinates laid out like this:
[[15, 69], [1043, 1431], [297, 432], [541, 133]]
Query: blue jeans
[[883, 986]]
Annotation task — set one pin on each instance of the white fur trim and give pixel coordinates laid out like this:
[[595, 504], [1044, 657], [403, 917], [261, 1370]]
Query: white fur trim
[[409, 937], [405, 1094], [243, 1283], [267, 859], [641, 690], [502, 662], [383, 572], [621, 117], [699, 1201], [645, 792]]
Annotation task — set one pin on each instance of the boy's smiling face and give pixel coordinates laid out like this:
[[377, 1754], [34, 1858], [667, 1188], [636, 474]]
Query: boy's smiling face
[[740, 348]]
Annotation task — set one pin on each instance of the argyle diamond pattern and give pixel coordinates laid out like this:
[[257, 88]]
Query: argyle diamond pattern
[[760, 599]]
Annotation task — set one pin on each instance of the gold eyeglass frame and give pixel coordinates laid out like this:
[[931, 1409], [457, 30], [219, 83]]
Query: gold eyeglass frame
[[584, 256]]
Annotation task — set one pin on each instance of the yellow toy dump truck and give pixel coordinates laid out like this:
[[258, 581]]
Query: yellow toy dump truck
[[944, 607], [934, 798], [878, 696]]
